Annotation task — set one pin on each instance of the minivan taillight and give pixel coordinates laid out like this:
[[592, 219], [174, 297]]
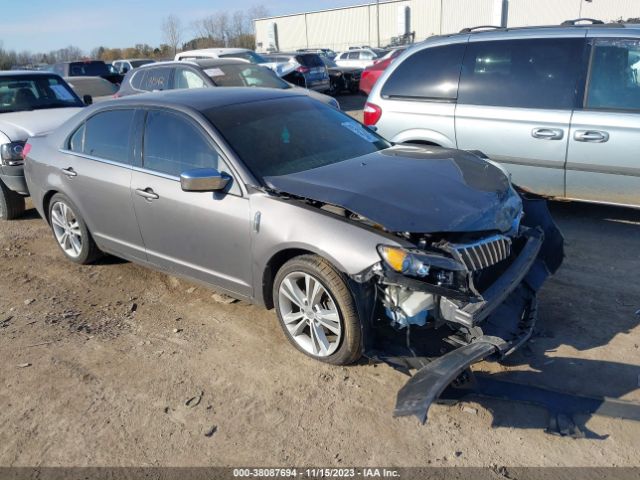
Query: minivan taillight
[[372, 114]]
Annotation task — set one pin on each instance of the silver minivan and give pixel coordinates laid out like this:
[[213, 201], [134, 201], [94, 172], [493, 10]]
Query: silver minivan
[[559, 107]]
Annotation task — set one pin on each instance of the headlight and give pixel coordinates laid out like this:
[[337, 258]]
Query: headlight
[[403, 261], [416, 263], [11, 153]]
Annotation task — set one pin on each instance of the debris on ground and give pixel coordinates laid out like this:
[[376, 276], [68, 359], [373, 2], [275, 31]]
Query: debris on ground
[[194, 401], [222, 298], [472, 411], [29, 301], [23, 365], [191, 290], [211, 431]]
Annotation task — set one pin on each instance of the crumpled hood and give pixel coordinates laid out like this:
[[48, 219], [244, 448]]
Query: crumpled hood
[[413, 189], [19, 126]]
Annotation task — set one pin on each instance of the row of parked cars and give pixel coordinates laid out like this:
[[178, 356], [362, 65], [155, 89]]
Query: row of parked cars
[[320, 70], [356, 235]]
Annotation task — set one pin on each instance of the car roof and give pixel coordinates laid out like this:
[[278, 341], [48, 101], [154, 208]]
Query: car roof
[[214, 50], [202, 63], [26, 73], [201, 99], [543, 30], [81, 61]]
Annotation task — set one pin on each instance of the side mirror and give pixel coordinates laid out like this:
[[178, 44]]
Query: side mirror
[[203, 180], [87, 99]]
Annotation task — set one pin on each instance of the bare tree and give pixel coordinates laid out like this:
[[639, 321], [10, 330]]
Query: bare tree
[[172, 31]]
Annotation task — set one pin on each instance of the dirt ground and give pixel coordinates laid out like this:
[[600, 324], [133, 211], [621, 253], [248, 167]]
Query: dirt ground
[[114, 364]]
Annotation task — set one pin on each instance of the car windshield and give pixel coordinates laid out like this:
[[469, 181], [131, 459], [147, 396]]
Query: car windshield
[[139, 63], [246, 75], [91, 69], [293, 134], [253, 57], [25, 92]]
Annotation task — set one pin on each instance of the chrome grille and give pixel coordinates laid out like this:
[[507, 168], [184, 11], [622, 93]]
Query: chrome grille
[[483, 253]]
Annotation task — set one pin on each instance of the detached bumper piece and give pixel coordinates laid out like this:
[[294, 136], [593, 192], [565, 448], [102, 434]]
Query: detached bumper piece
[[508, 322], [498, 324]]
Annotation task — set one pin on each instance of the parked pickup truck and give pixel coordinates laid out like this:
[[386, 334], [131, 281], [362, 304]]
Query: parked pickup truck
[[31, 103]]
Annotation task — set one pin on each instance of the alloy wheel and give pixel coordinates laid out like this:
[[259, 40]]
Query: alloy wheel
[[66, 229], [310, 314]]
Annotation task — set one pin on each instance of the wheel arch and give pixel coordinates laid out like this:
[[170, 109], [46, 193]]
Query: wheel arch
[[424, 137], [46, 201], [278, 259]]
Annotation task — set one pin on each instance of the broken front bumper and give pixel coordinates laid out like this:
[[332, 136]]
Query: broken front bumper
[[500, 322]]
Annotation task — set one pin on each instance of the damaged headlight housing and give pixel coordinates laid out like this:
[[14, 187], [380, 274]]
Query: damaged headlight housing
[[416, 263], [11, 154], [403, 261]]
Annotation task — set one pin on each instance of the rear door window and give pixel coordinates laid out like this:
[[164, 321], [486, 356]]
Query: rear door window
[[615, 75], [187, 78], [157, 79], [107, 135], [528, 73], [430, 74]]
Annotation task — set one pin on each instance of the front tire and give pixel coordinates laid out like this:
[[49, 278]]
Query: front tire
[[70, 231], [317, 311], [12, 204]]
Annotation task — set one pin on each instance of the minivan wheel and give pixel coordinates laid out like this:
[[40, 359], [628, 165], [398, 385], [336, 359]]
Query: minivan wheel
[[11, 204], [71, 232], [317, 311]]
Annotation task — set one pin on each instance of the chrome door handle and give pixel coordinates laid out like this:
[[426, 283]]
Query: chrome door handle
[[147, 193], [593, 136], [547, 133], [69, 172]]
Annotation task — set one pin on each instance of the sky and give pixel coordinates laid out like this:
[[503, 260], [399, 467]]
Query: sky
[[45, 25]]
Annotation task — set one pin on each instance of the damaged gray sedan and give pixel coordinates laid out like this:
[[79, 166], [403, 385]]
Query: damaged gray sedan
[[398, 253]]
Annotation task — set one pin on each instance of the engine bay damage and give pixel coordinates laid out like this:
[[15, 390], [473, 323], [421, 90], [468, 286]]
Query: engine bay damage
[[452, 303]]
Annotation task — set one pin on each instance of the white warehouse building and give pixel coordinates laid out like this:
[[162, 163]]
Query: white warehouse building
[[376, 24]]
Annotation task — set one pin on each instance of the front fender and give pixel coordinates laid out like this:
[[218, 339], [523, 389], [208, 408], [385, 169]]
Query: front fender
[[294, 225]]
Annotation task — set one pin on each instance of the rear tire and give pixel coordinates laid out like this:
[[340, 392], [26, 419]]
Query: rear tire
[[70, 231], [11, 204], [317, 310]]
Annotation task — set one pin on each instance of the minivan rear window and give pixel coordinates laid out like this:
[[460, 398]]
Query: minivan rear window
[[529, 73], [430, 73]]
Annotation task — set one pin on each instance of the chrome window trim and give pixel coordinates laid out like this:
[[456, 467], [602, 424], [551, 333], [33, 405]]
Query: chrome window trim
[[95, 159], [143, 170]]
